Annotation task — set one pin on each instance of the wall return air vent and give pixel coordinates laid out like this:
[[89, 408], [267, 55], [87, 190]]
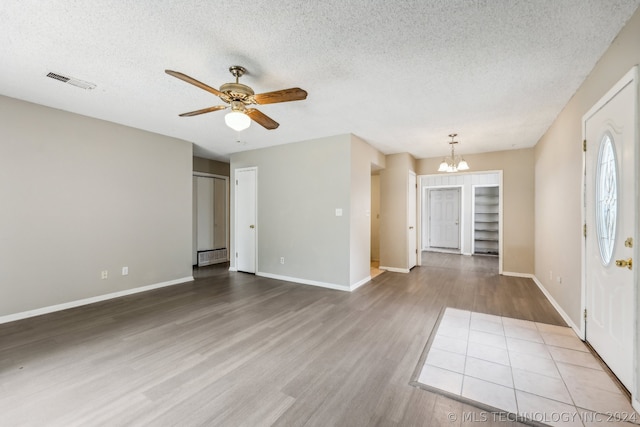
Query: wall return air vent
[[71, 80]]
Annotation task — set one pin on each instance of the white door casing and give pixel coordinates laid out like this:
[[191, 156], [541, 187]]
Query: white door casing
[[610, 188], [412, 233], [246, 226], [444, 218]]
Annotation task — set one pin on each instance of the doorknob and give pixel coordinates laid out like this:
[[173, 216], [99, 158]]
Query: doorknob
[[624, 263], [252, 226], [411, 228]]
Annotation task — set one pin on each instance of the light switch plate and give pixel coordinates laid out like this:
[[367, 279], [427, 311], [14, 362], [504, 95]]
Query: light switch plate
[[338, 212]]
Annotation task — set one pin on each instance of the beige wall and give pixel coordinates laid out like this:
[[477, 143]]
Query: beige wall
[[81, 195], [210, 166], [300, 185], [558, 168], [394, 180], [518, 201]]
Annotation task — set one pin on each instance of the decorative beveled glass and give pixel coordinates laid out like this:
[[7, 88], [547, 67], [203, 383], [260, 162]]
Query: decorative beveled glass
[[606, 203]]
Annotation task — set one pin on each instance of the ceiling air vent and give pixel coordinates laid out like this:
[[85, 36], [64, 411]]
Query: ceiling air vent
[[71, 80]]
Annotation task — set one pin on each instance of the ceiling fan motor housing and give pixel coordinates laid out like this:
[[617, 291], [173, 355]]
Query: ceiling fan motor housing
[[237, 92]]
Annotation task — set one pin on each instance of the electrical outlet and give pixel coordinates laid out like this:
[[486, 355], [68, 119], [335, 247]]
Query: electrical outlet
[[281, 260], [104, 274], [125, 271], [559, 279]]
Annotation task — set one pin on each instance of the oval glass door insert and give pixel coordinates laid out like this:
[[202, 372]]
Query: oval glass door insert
[[606, 198]]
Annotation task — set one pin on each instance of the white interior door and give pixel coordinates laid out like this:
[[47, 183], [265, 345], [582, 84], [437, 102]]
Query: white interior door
[[610, 220], [205, 209], [444, 214], [412, 195], [245, 219], [220, 213]]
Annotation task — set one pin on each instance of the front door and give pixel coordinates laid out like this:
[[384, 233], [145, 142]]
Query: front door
[[245, 215], [444, 218], [610, 135]]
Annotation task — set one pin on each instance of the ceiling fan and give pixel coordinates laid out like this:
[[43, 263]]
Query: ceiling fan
[[240, 97]]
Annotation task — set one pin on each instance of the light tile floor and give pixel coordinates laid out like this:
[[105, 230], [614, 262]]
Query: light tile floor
[[540, 372], [375, 270]]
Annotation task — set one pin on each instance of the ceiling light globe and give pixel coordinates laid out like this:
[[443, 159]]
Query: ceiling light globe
[[443, 167], [237, 121], [463, 165]]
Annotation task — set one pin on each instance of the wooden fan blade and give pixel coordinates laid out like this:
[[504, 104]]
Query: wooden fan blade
[[262, 119], [284, 95], [193, 81], [204, 110]]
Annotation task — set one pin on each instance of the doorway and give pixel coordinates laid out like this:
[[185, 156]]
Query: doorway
[[466, 183], [210, 219], [375, 224], [611, 233]]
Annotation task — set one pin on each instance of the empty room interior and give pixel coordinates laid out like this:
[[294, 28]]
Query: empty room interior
[[283, 213]]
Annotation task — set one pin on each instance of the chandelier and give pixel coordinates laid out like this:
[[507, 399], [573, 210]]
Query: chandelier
[[453, 163]]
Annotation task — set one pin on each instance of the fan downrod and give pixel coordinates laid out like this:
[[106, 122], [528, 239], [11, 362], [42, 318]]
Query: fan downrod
[[237, 71]]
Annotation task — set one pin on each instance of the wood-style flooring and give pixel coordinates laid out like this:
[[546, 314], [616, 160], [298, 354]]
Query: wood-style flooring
[[233, 349]]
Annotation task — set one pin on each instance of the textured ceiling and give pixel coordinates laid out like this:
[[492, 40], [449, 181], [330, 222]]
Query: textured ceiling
[[399, 74]]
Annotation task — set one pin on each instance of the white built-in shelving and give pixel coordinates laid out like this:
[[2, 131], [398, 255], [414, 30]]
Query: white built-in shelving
[[486, 220]]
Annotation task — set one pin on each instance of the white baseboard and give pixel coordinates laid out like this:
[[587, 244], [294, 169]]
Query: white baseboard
[[85, 301], [233, 269], [559, 309], [305, 281], [360, 283], [553, 302], [394, 269], [512, 274]]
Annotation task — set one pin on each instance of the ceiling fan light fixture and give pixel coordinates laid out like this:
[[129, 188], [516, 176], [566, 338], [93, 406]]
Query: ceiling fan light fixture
[[237, 121]]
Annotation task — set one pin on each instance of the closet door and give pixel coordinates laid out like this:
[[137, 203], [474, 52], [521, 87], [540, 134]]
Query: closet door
[[205, 213], [219, 213], [194, 222]]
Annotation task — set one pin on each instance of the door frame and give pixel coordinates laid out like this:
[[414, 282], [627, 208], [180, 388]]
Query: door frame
[[234, 267], [461, 222], [227, 226], [631, 77]]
